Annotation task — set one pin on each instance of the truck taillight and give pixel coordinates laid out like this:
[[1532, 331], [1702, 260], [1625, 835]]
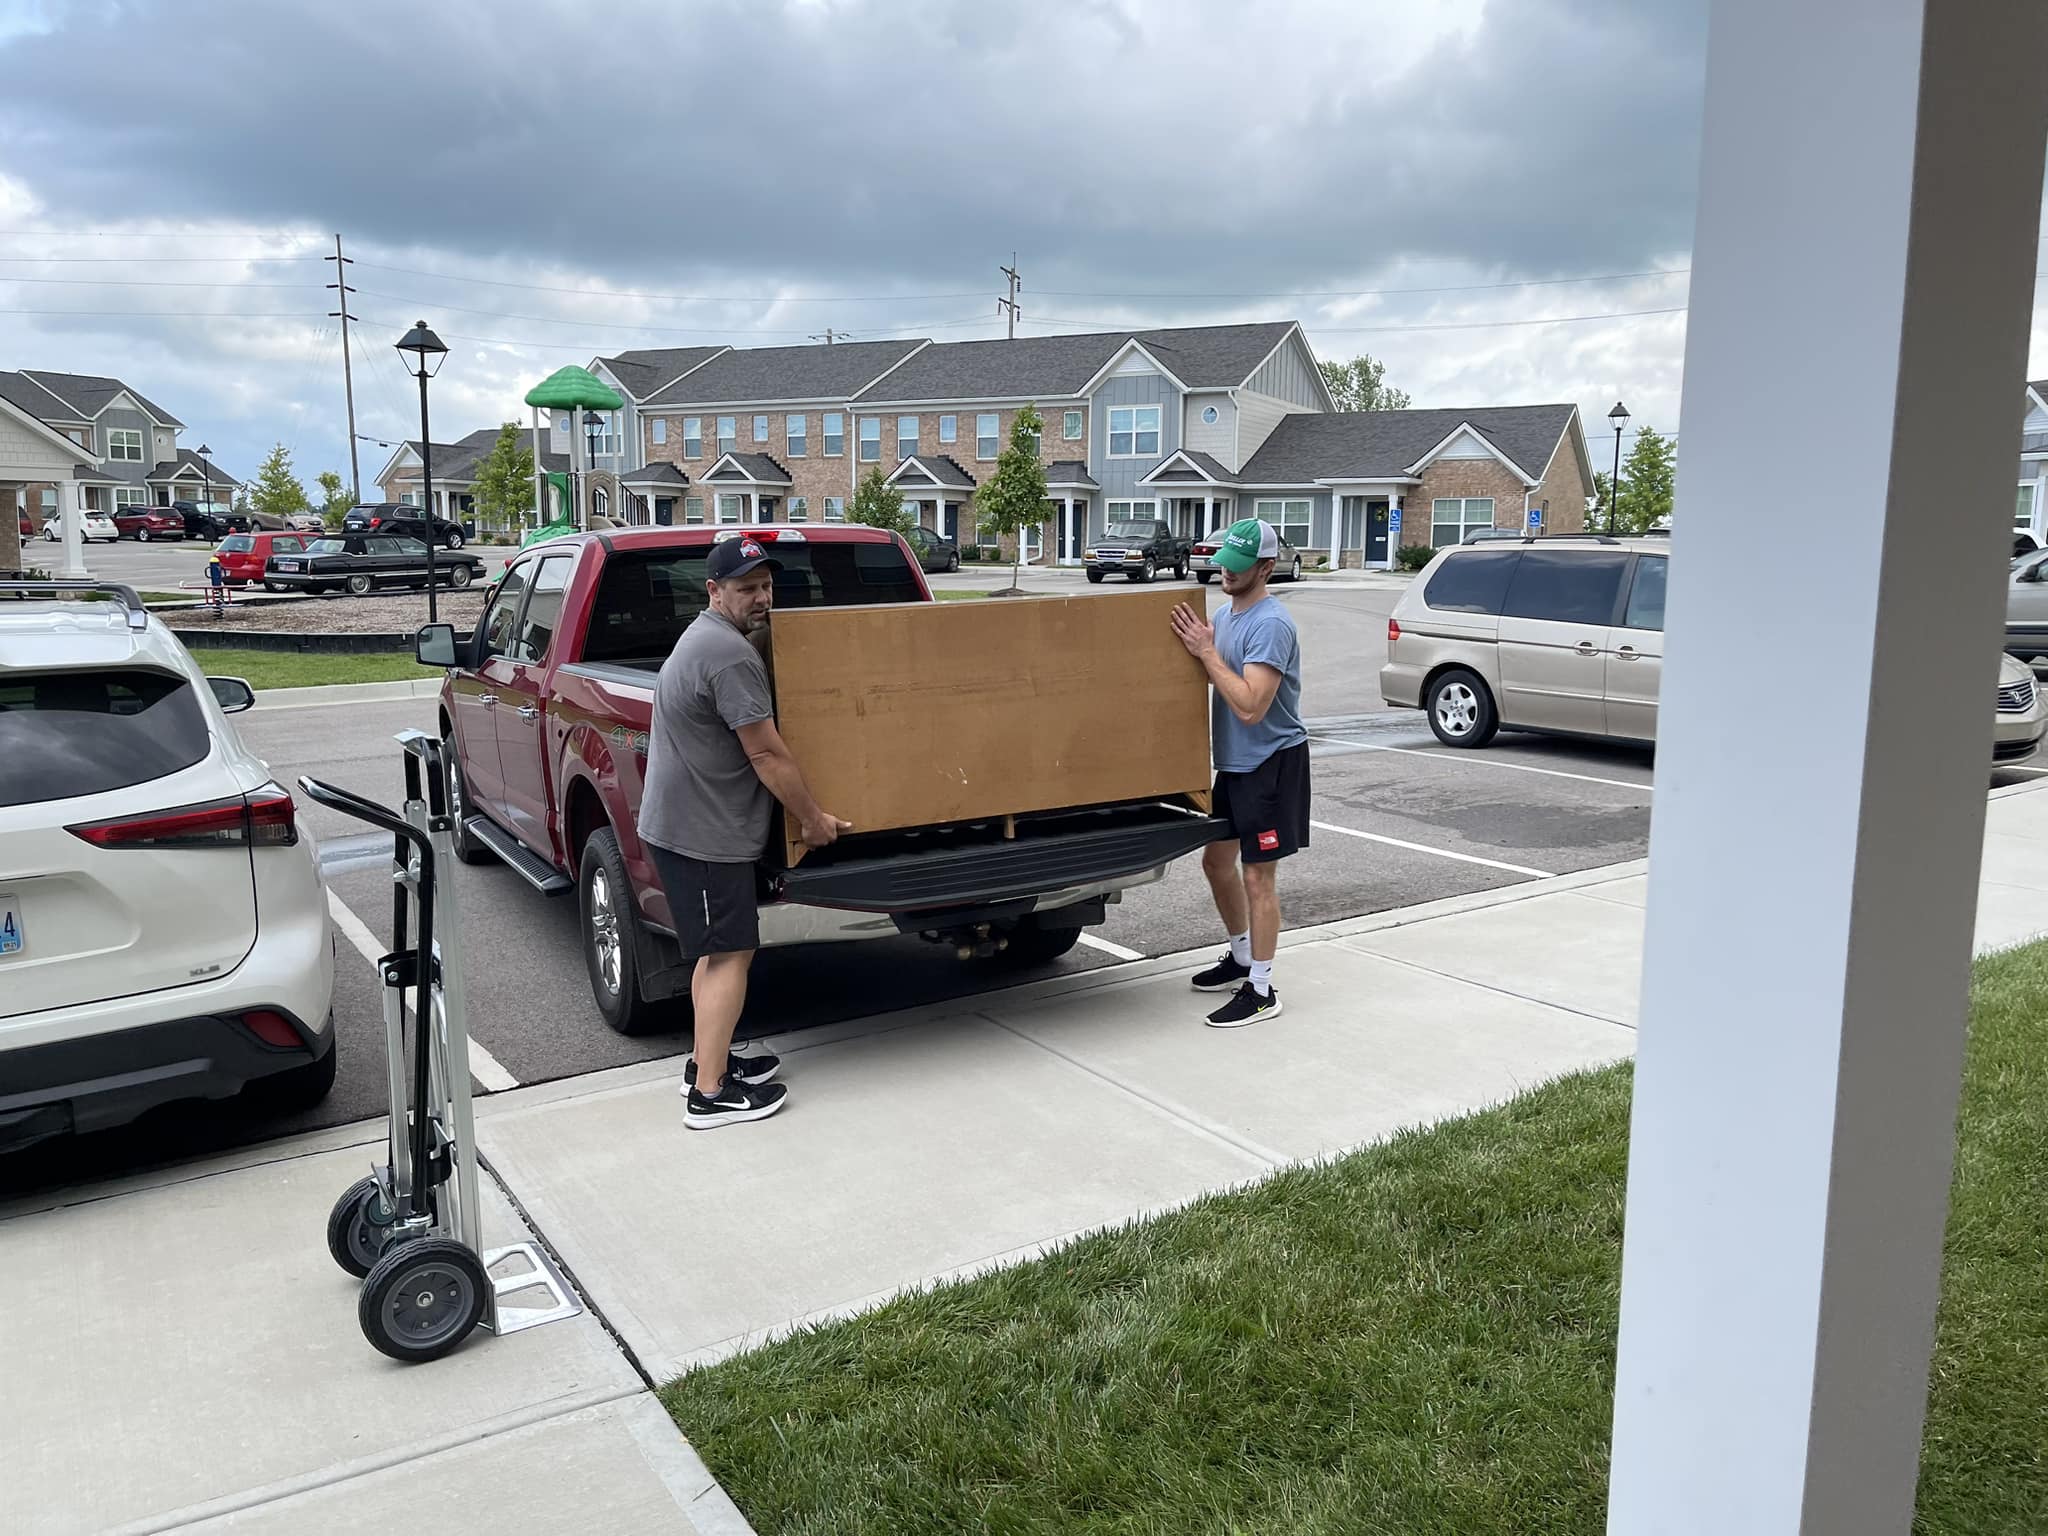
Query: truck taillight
[[265, 818], [1393, 630]]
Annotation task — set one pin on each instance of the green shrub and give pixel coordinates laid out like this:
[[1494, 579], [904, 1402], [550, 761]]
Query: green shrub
[[1413, 557]]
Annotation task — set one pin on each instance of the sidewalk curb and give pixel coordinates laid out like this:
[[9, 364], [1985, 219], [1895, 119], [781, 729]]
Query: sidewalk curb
[[347, 693]]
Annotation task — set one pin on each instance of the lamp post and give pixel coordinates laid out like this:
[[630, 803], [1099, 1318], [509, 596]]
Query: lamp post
[[428, 353], [1619, 416], [206, 479], [593, 432]]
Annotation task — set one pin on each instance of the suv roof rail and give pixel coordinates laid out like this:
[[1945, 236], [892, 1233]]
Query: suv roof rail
[[129, 598]]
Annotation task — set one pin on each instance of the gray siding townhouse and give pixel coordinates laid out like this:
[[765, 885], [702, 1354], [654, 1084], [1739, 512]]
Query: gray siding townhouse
[[127, 445]]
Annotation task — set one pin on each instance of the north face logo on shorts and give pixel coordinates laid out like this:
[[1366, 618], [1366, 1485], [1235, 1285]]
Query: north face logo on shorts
[[1268, 841]]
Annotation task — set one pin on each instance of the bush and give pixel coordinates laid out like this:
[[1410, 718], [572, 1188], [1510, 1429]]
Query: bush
[[1413, 557]]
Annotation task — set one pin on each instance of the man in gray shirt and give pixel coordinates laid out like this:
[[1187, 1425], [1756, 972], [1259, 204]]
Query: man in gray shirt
[[715, 766]]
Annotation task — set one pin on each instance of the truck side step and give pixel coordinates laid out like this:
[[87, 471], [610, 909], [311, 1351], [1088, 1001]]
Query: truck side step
[[521, 860]]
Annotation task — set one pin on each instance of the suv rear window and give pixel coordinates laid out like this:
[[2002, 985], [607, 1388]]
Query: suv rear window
[[64, 734], [1472, 583], [645, 601], [1566, 586]]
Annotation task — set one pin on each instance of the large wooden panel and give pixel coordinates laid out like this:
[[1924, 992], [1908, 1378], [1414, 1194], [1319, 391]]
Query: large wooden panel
[[911, 714]]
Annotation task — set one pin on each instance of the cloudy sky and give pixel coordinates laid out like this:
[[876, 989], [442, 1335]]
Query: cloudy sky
[[1494, 196]]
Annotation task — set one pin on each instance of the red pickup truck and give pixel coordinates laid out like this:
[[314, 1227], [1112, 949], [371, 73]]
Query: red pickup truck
[[547, 707]]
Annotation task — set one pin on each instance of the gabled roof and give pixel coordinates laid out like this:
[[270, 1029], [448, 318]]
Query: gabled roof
[[1309, 446], [746, 469], [645, 371], [1215, 356], [189, 463], [654, 477], [88, 394], [457, 462], [1070, 474], [767, 375], [1189, 466], [1025, 368], [932, 469], [63, 445]]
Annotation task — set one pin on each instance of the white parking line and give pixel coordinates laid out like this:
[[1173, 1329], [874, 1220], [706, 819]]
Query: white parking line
[[1442, 853], [483, 1066], [1473, 760], [1110, 949]]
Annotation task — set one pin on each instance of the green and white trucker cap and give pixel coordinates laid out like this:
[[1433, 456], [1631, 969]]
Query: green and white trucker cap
[[1246, 543]]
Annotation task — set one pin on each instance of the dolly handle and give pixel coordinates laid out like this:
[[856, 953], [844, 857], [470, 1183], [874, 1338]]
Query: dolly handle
[[350, 803]]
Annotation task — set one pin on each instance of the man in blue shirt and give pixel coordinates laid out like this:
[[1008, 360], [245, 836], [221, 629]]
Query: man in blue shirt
[[1253, 657]]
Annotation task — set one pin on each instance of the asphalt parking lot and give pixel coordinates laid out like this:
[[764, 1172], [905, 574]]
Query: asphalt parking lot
[[1399, 820]]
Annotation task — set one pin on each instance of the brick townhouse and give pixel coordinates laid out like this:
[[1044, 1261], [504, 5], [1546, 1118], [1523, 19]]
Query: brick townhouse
[[1197, 425]]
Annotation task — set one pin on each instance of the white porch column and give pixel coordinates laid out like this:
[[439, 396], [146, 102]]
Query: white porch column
[[753, 506], [71, 506], [1336, 527], [1869, 192], [1069, 537]]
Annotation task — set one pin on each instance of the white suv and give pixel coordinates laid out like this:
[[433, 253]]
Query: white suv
[[163, 919]]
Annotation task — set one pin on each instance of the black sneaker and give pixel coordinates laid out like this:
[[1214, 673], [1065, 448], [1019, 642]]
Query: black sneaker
[[734, 1104], [751, 1070], [1247, 1008], [1223, 976]]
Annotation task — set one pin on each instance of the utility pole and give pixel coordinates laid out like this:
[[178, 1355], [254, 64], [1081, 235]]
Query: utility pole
[[828, 336], [1010, 303], [348, 384]]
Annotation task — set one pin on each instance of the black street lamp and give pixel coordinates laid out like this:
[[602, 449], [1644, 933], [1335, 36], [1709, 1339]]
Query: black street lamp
[[206, 479], [428, 354], [593, 434], [1619, 416]]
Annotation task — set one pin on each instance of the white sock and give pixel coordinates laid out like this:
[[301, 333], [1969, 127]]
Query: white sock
[[1262, 977], [1241, 947]]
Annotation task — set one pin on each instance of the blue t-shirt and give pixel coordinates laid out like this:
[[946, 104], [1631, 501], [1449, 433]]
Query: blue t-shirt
[[1263, 633]]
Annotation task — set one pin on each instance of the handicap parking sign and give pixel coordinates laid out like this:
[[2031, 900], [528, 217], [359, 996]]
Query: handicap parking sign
[[1394, 519], [1535, 517]]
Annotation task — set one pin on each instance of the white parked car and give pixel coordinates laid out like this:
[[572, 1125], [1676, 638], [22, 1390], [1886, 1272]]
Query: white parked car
[[163, 919], [92, 527]]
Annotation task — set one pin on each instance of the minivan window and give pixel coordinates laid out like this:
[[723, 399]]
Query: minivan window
[[83, 733], [1566, 586], [1646, 597], [1472, 583]]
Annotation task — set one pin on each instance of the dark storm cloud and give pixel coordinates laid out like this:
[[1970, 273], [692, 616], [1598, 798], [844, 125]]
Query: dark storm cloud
[[1145, 146]]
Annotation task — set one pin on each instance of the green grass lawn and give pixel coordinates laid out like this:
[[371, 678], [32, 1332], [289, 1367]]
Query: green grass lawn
[[1416, 1338], [290, 669], [946, 596]]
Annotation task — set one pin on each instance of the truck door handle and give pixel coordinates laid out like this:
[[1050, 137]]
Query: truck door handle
[[487, 699], [529, 712]]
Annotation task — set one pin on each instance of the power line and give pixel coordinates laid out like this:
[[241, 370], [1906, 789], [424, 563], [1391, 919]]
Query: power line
[[246, 260], [1462, 325], [677, 298], [342, 290], [149, 282], [176, 314], [1370, 293]]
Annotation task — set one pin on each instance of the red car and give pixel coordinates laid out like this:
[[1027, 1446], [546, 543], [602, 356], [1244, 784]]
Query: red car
[[145, 523], [243, 555]]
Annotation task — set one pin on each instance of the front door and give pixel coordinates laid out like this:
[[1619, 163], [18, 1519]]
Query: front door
[[664, 510], [522, 723], [949, 519], [476, 699], [1376, 530]]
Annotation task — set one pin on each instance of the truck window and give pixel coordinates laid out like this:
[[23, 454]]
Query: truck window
[[543, 609], [646, 600]]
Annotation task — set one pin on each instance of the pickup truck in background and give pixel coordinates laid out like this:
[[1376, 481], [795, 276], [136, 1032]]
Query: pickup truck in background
[[1138, 550], [546, 711]]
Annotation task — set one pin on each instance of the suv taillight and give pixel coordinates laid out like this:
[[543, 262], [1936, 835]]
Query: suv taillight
[[264, 818], [1393, 630], [376, 521]]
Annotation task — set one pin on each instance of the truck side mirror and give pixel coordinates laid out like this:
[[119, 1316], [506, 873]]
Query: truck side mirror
[[434, 645]]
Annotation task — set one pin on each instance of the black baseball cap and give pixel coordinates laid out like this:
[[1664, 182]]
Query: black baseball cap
[[736, 557]]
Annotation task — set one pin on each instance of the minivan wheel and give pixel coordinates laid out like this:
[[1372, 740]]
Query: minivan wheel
[[1461, 710]]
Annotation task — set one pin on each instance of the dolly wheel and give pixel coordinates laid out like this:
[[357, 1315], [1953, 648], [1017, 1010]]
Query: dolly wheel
[[358, 1226], [423, 1299]]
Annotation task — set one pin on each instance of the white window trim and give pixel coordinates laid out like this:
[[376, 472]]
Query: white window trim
[[658, 430], [116, 437], [996, 437], [798, 509], [825, 435], [761, 429], [1278, 516], [726, 444], [696, 437], [130, 496], [949, 429], [691, 516], [835, 509], [916, 436], [862, 426], [1464, 519], [1159, 431], [739, 507], [1077, 422], [796, 444], [1130, 514]]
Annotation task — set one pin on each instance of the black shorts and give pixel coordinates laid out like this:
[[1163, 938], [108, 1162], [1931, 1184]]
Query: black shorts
[[1267, 807], [712, 905]]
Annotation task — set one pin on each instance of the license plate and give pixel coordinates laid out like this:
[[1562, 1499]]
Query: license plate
[[287, 565], [12, 939]]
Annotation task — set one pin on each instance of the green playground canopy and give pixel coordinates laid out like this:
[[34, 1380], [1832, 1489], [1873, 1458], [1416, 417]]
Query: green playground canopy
[[574, 389]]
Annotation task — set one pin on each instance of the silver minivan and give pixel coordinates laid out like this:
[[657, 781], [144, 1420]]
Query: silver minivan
[[1566, 635]]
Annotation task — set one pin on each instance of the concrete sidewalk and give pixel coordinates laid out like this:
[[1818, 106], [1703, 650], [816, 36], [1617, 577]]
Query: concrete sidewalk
[[183, 1355]]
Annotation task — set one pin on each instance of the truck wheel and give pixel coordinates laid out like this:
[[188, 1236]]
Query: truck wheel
[[1146, 571], [467, 849], [1095, 576], [605, 897], [1205, 577], [1032, 945], [1180, 570]]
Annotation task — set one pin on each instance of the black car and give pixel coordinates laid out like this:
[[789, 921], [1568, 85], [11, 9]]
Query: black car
[[402, 519], [934, 551], [358, 562], [209, 522]]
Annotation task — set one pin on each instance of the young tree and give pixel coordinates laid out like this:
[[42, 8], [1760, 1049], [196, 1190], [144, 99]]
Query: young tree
[[504, 480], [878, 504], [333, 497], [276, 492], [1647, 478], [1596, 508], [1013, 498], [1361, 385]]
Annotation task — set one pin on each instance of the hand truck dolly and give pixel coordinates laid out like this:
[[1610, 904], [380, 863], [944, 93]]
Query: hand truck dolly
[[412, 1230]]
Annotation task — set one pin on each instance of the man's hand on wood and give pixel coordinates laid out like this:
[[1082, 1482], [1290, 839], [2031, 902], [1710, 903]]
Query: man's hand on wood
[[1195, 632], [823, 830]]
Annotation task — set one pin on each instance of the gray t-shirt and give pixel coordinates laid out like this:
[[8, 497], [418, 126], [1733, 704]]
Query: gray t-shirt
[[702, 798]]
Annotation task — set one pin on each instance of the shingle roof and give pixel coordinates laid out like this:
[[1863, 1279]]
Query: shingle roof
[[835, 371], [1071, 472], [21, 392], [940, 468], [1214, 356], [659, 473], [458, 460], [2039, 387], [1200, 356], [647, 369], [1376, 445], [1207, 468], [187, 459], [759, 467], [88, 394]]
